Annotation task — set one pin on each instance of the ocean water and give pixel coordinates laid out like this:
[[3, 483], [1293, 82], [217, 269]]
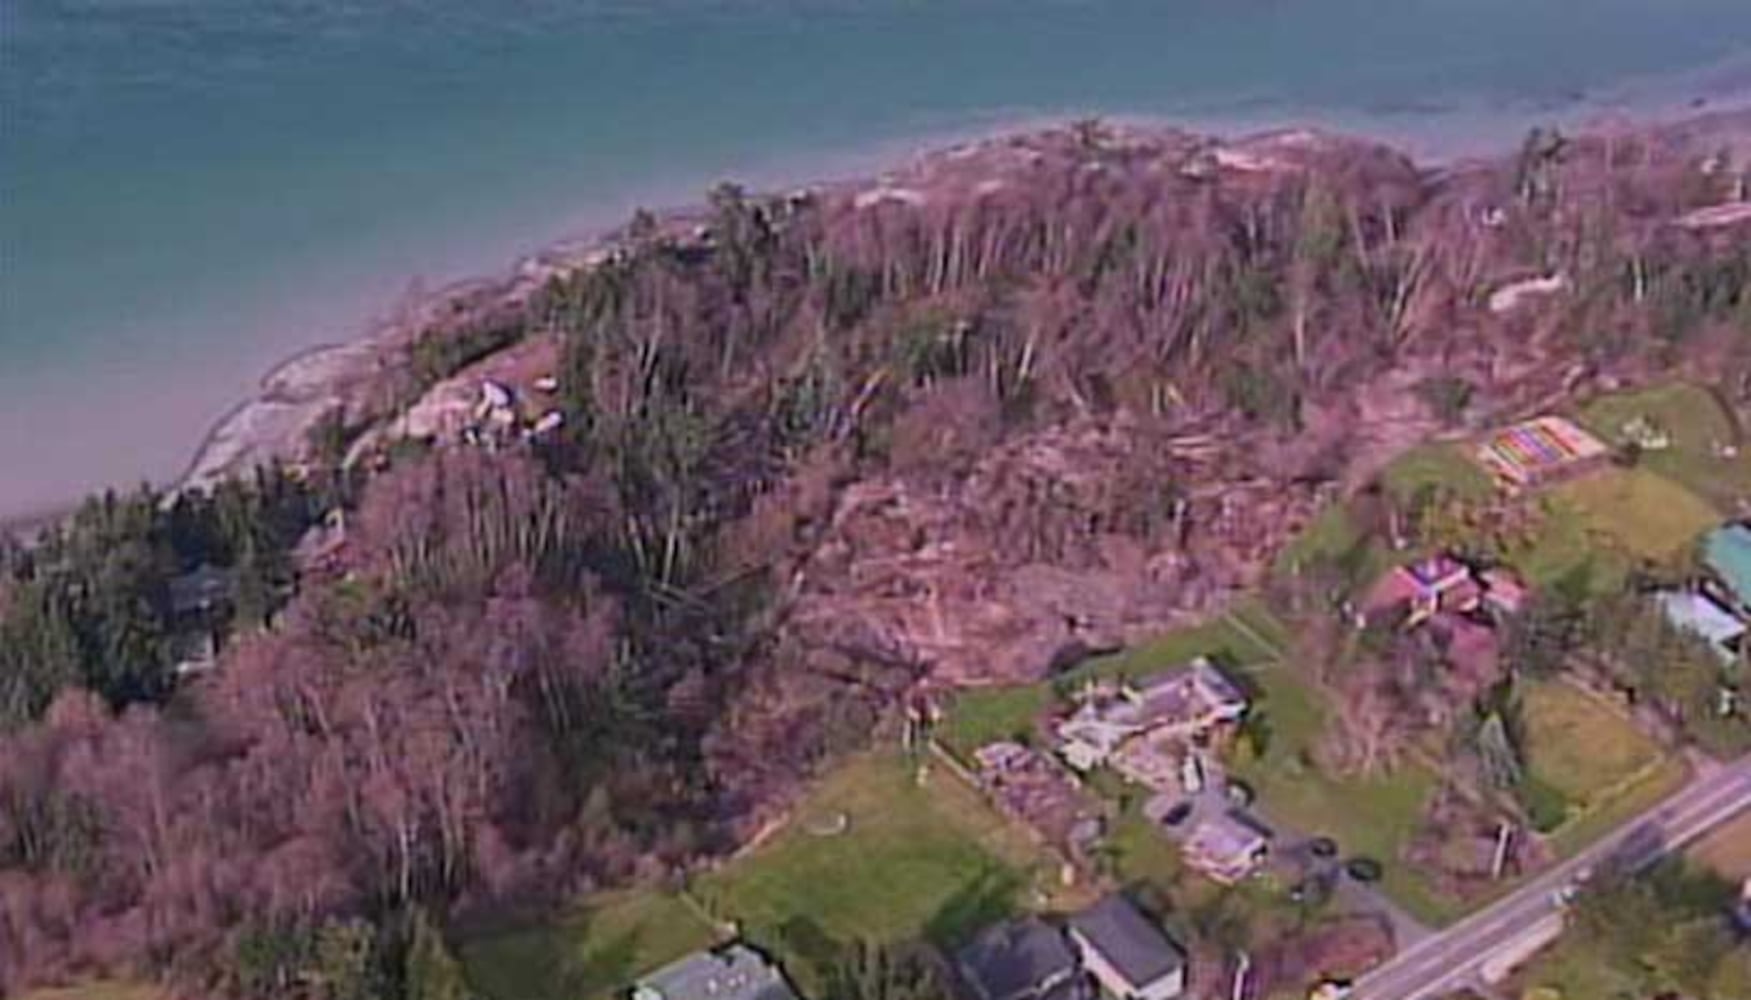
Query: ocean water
[[190, 189]]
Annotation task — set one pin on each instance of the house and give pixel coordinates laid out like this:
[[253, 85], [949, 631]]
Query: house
[[1021, 960], [1227, 847], [1127, 953], [733, 972], [1539, 451], [1421, 589], [1090, 737], [1185, 704], [1726, 552], [1443, 584], [1699, 614], [202, 593]]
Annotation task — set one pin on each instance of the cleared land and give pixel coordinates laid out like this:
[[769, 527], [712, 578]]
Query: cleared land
[[591, 952], [1697, 427], [1650, 516]]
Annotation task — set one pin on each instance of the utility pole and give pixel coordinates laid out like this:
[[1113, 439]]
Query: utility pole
[[1504, 834]]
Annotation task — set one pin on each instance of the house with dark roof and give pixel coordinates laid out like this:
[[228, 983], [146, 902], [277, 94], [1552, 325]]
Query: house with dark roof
[[1024, 959], [733, 972], [1128, 954]]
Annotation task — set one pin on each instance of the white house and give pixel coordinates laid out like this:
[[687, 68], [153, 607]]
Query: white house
[[1128, 954]]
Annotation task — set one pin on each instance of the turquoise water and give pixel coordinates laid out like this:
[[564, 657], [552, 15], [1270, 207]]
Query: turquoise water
[[189, 189]]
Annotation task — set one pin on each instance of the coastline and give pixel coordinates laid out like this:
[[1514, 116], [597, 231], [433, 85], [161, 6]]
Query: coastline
[[274, 418]]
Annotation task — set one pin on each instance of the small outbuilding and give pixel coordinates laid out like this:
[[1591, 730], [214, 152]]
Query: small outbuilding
[[1699, 615]]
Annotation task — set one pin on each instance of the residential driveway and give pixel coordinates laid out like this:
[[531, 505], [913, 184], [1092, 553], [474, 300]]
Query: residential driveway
[[1288, 842]]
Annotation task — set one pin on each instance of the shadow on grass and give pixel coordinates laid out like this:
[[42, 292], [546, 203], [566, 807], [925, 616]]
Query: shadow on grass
[[610, 963], [984, 901]]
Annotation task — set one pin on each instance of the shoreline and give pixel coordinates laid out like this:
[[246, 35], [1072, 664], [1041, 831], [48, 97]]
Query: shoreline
[[300, 386]]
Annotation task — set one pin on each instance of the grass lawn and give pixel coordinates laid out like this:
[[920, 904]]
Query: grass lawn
[[1578, 746], [1603, 767], [1564, 544], [987, 715], [1728, 849], [1373, 816], [592, 952], [932, 862], [1695, 422], [1333, 534], [1571, 970], [1445, 466], [1219, 638], [1650, 516]]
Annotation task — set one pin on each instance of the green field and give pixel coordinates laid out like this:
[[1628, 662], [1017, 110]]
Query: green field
[[1649, 516], [1696, 424], [591, 952], [932, 862]]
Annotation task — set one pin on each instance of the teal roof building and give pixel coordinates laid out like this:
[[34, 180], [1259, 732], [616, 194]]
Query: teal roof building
[[1727, 552]]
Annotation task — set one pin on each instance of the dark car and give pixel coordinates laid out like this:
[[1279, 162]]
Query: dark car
[[1364, 869], [1176, 814]]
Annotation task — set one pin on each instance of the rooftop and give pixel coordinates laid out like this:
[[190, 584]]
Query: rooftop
[[1701, 616], [1129, 942], [1227, 835], [736, 972], [1727, 551], [1014, 959]]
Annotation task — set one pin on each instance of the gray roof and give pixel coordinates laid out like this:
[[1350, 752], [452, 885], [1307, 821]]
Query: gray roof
[[1129, 941], [736, 972], [1014, 959], [202, 588]]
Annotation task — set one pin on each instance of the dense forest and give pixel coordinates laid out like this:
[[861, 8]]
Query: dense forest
[[1004, 407]]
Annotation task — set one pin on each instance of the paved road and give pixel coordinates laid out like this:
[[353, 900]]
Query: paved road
[[1452, 959]]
